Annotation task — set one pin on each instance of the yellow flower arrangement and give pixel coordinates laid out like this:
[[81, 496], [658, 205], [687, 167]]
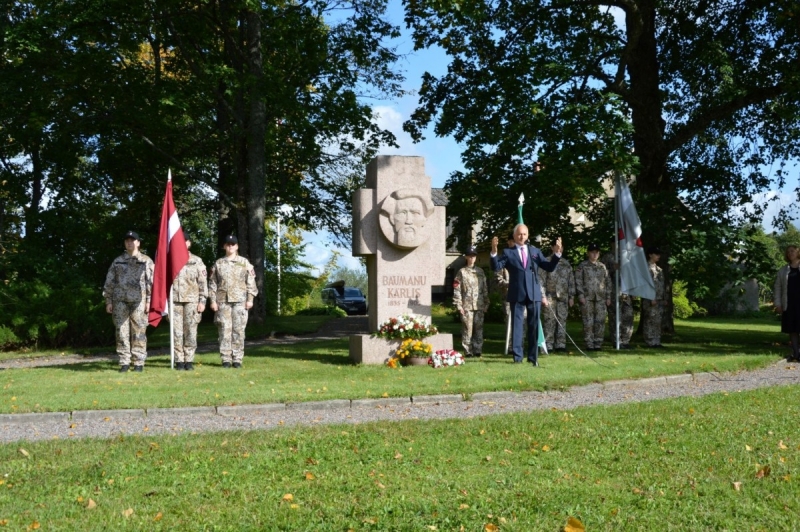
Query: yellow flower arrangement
[[413, 348]]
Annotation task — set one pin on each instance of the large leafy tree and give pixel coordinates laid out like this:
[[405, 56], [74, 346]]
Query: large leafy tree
[[699, 100], [251, 104]]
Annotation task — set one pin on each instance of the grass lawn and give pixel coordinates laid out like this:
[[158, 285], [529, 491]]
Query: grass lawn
[[721, 462], [319, 370]]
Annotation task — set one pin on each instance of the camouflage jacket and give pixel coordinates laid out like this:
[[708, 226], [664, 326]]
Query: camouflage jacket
[[560, 283], [191, 284], [501, 278], [592, 282], [658, 279], [469, 289], [232, 280], [129, 279], [610, 261]]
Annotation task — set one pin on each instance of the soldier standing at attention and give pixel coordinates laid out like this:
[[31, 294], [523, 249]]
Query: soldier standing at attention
[[559, 293], [594, 295], [189, 293], [625, 304], [471, 298], [231, 289], [652, 308], [127, 291]]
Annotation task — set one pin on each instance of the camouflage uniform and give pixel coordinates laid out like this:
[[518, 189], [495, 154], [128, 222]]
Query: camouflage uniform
[[232, 282], [128, 287], [189, 288], [471, 298], [651, 314], [558, 286], [592, 284], [625, 305], [501, 278]]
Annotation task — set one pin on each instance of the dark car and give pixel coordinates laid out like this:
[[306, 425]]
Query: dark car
[[351, 300]]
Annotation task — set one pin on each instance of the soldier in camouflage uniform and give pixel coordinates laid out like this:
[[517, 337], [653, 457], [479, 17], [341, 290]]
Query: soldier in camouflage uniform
[[231, 289], [471, 298], [558, 295], [189, 293], [653, 308], [625, 305], [127, 291], [594, 295]]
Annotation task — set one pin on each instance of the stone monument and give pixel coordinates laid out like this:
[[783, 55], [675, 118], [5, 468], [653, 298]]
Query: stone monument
[[401, 234]]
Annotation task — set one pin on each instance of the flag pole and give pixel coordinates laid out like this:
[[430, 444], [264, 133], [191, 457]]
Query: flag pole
[[617, 258], [171, 310]]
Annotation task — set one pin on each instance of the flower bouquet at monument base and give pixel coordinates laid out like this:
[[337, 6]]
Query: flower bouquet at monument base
[[406, 326], [411, 348]]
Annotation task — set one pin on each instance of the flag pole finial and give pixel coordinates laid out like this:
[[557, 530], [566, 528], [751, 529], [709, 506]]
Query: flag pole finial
[[521, 198], [169, 174]]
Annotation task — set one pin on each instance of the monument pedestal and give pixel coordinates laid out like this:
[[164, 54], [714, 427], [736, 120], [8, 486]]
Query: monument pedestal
[[364, 349]]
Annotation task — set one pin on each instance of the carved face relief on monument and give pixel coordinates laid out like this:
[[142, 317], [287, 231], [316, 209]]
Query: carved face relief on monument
[[404, 217]]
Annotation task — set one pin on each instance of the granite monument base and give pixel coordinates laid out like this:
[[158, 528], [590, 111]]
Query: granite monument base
[[364, 349]]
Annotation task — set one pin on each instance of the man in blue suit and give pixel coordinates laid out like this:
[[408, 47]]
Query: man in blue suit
[[522, 262]]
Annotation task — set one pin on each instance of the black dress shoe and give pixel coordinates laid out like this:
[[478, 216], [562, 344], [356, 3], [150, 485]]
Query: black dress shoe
[[179, 365], [124, 369], [226, 364]]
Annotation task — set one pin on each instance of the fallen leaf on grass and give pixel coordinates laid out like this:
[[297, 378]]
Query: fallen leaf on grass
[[158, 516], [288, 497], [764, 472], [128, 512], [737, 486], [748, 448], [310, 475], [24, 453], [79, 499], [574, 525], [463, 506], [782, 445], [34, 526], [489, 527], [91, 505], [3, 522]]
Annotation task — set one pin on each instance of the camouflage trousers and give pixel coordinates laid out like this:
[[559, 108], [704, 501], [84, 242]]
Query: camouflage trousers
[[554, 334], [594, 322], [472, 332], [651, 329], [625, 321], [231, 320], [184, 329], [130, 322]]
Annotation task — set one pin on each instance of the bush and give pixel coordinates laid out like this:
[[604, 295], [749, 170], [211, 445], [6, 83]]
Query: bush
[[682, 308]]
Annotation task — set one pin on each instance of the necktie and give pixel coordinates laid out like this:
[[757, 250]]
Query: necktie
[[524, 258]]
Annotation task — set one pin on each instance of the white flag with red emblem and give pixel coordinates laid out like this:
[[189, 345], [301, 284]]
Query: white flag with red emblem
[[171, 256], [635, 278]]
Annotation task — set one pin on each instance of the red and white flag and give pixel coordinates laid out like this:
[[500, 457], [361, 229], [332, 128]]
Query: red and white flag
[[634, 274], [171, 256]]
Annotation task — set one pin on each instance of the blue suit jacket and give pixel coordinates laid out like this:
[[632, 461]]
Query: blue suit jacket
[[523, 283]]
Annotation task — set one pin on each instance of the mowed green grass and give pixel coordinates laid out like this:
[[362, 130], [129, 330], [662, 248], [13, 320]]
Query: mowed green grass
[[721, 462], [320, 370]]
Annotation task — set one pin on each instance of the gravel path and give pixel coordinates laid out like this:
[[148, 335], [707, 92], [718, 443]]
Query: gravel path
[[98, 424]]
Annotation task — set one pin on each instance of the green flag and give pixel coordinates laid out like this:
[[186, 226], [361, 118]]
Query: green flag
[[540, 340]]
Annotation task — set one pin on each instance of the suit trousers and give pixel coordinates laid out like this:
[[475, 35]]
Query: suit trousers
[[518, 311]]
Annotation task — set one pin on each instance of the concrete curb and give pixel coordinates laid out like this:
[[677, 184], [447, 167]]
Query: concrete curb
[[492, 396], [183, 411], [437, 399], [384, 402], [100, 415], [243, 410], [333, 404], [33, 418]]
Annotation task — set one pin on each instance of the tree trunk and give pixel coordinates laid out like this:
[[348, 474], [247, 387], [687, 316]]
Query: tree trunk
[[256, 176]]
